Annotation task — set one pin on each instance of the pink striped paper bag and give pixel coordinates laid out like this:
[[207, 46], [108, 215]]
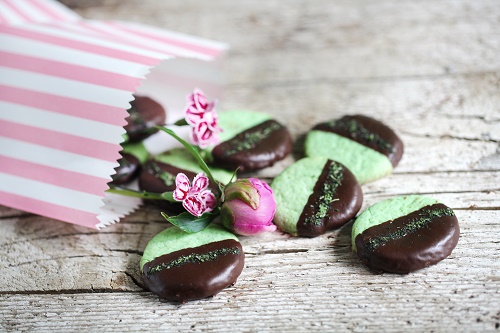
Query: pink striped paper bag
[[65, 86]]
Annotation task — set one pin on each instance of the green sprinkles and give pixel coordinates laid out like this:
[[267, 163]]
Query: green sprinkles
[[251, 138], [195, 258], [332, 182], [425, 217], [357, 131], [167, 177]]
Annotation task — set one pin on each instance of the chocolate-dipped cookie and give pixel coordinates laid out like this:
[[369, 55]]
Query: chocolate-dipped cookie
[[127, 170], [250, 141], [404, 234], [315, 195], [369, 148], [133, 156], [179, 266], [158, 174], [144, 114]]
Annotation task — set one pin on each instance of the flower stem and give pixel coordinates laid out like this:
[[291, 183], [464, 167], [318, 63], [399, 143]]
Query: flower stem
[[195, 154], [138, 194]]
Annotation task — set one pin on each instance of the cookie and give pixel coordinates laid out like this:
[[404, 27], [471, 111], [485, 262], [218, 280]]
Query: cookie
[[366, 146], [127, 170], [181, 267], [158, 174], [250, 141], [133, 156], [404, 234], [144, 114], [315, 195]]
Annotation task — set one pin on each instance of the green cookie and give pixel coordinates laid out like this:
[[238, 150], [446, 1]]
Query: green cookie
[[387, 210], [315, 195], [179, 266], [136, 149], [234, 122], [249, 141], [404, 234], [366, 146], [174, 239]]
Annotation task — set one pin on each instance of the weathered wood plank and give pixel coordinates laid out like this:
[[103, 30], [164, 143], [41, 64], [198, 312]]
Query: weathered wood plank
[[341, 39], [453, 98], [429, 69], [325, 287], [391, 307], [62, 257]]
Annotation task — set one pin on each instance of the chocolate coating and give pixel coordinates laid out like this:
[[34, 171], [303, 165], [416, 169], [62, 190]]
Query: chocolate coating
[[368, 132], [255, 148], [144, 114], [343, 201], [158, 177], [408, 243], [195, 273], [127, 170]]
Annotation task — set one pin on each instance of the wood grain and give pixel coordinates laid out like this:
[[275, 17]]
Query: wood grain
[[429, 69]]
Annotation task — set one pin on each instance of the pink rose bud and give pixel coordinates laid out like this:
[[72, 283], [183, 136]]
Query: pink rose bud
[[248, 207]]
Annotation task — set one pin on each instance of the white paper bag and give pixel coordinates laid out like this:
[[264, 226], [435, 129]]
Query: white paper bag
[[65, 86]]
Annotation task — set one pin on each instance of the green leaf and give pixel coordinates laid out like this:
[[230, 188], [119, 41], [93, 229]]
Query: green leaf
[[181, 122], [189, 223], [169, 196], [233, 176], [223, 190], [195, 154], [243, 190]]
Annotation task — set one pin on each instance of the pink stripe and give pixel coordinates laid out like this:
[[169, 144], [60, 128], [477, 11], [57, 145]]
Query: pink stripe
[[169, 40], [64, 105], [80, 45], [76, 27], [124, 38], [61, 141], [50, 9], [16, 10], [69, 71], [50, 210], [54, 176]]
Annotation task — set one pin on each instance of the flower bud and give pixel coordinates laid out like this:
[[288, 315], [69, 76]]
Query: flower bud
[[248, 207]]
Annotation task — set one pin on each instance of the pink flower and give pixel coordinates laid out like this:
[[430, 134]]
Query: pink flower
[[196, 199], [209, 199], [201, 116], [205, 132], [249, 207], [197, 106]]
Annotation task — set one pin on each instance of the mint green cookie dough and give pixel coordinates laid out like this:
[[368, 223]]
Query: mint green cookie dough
[[234, 122], [388, 210], [405, 234], [137, 149], [315, 195], [365, 163], [292, 189], [174, 239], [249, 141], [368, 147], [178, 266]]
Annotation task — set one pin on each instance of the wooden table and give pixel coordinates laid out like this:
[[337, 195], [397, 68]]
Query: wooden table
[[430, 69]]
